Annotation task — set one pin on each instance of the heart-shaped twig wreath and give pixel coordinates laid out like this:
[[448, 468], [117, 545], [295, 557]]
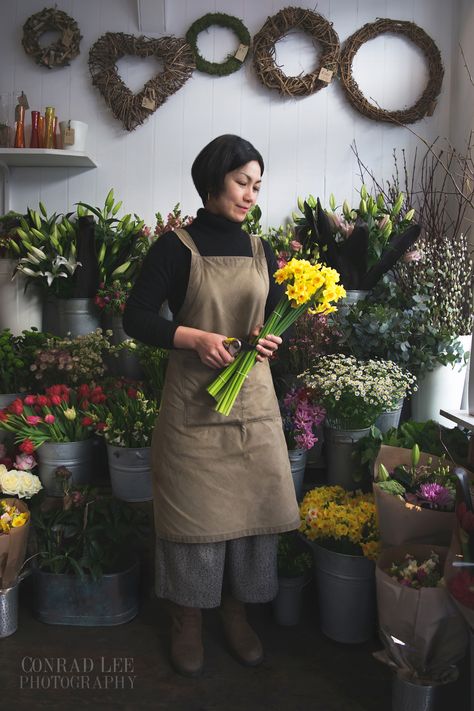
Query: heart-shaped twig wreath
[[133, 109]]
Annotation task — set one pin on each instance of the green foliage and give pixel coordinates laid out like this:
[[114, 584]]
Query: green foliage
[[121, 243], [9, 240], [252, 224], [430, 436], [89, 535], [392, 487], [292, 559], [17, 354], [395, 325]]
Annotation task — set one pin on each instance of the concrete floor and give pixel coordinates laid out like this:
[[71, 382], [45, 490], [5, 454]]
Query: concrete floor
[[302, 671]]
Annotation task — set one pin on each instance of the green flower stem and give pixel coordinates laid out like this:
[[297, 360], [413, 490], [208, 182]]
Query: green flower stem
[[226, 387]]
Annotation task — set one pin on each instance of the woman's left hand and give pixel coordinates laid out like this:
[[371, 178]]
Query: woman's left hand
[[266, 346]]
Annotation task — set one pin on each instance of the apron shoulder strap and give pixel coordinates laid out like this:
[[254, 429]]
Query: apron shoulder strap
[[257, 246], [186, 239]]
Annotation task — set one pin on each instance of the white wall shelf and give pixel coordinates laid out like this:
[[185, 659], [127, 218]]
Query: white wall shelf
[[45, 158]]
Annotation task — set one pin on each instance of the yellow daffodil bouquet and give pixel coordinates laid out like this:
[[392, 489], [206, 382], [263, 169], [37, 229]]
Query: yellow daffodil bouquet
[[309, 287], [14, 527]]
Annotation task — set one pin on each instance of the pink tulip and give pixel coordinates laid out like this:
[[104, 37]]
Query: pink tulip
[[33, 420], [49, 419]]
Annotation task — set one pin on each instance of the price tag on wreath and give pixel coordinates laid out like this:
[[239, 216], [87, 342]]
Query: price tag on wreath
[[242, 51], [149, 100], [68, 137], [325, 75]]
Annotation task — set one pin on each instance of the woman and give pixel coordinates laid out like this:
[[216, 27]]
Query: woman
[[222, 485]]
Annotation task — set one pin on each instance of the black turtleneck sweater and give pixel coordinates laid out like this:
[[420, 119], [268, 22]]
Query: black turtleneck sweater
[[165, 275]]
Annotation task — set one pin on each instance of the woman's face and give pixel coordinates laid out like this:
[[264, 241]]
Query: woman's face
[[239, 193]]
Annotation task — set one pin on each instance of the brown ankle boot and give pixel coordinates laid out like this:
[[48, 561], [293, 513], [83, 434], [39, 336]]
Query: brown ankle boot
[[186, 643], [241, 638]]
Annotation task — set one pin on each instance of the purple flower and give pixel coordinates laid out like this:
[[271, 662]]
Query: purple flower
[[435, 494]]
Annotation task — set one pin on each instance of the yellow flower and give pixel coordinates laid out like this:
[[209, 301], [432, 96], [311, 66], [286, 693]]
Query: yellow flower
[[70, 413], [20, 520]]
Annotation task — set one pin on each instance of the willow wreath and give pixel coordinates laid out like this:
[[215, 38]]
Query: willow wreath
[[425, 104], [232, 63], [276, 27], [58, 53], [132, 109]]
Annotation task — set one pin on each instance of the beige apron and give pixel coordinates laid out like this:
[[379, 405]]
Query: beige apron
[[216, 477]]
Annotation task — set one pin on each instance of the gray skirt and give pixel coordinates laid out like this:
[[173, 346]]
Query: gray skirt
[[194, 574]]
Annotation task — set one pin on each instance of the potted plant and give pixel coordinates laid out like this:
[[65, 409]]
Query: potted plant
[[354, 393], [294, 564], [301, 417], [415, 495], [20, 308], [362, 243], [126, 419], [341, 528], [86, 568], [423, 633], [56, 424]]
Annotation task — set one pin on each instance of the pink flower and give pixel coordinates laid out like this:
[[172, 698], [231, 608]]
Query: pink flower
[[30, 399], [25, 462], [295, 245], [33, 420], [49, 419]]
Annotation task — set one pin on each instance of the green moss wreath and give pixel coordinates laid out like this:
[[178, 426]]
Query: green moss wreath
[[229, 65]]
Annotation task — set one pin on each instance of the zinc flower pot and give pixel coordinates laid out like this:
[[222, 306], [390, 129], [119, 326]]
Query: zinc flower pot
[[298, 459], [130, 473], [287, 603], [346, 595], [61, 599], [77, 457], [77, 317], [412, 695], [340, 448], [9, 610], [389, 418], [126, 363]]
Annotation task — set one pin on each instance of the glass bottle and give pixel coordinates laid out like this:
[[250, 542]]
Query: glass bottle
[[49, 127], [20, 126], [56, 134], [34, 139], [40, 131]]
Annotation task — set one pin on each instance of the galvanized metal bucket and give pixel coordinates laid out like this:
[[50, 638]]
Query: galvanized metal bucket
[[61, 599], [125, 363], [346, 595], [75, 456], [298, 459], [287, 603], [77, 317], [390, 418], [9, 610], [408, 695], [130, 473], [340, 448]]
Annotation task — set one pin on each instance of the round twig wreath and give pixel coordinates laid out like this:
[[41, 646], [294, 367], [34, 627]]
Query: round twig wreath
[[133, 109], [425, 104], [232, 63], [58, 53], [276, 27]]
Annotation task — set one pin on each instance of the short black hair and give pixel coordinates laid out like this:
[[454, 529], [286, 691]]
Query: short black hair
[[221, 156]]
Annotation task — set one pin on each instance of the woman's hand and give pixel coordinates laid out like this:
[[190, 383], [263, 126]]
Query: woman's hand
[[208, 346], [267, 346]]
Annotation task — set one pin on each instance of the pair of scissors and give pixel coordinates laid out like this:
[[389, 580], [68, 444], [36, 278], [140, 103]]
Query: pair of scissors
[[236, 345]]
